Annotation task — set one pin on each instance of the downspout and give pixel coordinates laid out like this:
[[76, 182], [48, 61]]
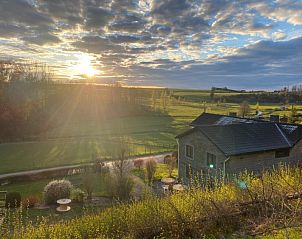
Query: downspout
[[177, 141], [224, 163]]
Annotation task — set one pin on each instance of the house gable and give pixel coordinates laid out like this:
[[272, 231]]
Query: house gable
[[202, 146]]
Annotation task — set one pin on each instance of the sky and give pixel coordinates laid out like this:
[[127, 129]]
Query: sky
[[172, 43]]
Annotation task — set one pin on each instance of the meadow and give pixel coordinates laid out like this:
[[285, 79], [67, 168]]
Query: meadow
[[80, 135]]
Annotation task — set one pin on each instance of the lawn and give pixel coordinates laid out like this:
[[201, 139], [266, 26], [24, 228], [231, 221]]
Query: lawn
[[35, 188]]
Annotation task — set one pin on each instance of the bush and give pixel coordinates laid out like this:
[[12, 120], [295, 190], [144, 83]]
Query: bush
[[77, 195], [150, 169], [13, 199], [57, 189], [30, 202], [138, 163], [119, 188], [167, 158], [88, 181]]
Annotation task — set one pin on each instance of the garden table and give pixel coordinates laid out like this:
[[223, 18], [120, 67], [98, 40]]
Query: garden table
[[63, 205], [179, 187], [168, 180]]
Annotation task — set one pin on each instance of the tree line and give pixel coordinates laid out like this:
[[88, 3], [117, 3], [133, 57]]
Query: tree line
[[32, 103]]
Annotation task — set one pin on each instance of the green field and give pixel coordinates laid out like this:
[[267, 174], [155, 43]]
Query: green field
[[78, 141]]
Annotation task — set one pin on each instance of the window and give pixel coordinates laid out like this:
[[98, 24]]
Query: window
[[211, 160], [280, 153], [189, 151]]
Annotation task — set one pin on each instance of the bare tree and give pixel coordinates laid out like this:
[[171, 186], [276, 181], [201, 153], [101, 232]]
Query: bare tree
[[171, 165], [118, 183], [244, 108], [120, 154]]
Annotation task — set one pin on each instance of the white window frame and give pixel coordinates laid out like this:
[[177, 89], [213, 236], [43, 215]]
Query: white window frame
[[192, 151]]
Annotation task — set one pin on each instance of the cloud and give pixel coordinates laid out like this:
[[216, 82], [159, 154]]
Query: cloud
[[9, 30], [290, 11], [42, 39], [167, 42], [279, 35], [131, 22], [21, 12], [97, 17], [63, 10], [264, 65], [97, 44]]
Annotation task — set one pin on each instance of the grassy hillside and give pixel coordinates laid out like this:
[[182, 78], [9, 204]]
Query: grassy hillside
[[85, 124], [225, 212]]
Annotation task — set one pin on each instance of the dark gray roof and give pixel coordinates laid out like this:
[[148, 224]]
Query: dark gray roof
[[237, 139], [235, 135], [215, 119]]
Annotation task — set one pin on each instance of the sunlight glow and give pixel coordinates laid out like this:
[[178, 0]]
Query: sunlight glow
[[84, 66]]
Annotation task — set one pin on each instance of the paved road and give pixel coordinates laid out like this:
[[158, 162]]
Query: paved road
[[157, 157]]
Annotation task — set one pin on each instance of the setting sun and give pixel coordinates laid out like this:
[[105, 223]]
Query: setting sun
[[84, 66]]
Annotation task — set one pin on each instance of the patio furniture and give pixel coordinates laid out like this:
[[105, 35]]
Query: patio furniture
[[63, 205], [168, 180], [179, 187], [165, 188]]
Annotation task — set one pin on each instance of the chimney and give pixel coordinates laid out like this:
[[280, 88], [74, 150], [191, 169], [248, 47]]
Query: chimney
[[233, 114], [274, 118], [284, 119]]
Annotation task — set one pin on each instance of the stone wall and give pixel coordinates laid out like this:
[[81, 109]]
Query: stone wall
[[202, 145], [259, 161]]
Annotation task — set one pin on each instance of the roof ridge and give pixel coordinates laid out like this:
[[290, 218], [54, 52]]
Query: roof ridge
[[283, 135]]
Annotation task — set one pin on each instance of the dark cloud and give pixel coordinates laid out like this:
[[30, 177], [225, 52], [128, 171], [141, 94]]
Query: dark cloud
[[97, 44], [8, 30], [42, 39], [66, 10], [20, 11], [130, 22], [97, 17]]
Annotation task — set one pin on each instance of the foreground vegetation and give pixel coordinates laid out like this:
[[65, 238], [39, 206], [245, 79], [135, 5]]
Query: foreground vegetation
[[269, 202]]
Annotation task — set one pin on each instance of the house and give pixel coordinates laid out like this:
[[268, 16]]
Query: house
[[226, 145]]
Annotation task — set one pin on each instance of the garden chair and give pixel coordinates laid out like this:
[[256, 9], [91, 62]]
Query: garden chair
[[165, 188]]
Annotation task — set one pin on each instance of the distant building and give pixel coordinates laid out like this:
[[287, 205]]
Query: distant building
[[219, 144]]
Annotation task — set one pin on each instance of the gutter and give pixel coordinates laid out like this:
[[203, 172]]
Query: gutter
[[177, 141], [224, 163]]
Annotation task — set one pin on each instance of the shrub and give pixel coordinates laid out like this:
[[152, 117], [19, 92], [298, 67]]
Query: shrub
[[167, 158], [89, 183], [13, 199], [30, 202], [150, 169], [119, 188], [138, 163], [57, 189], [175, 155], [77, 195]]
